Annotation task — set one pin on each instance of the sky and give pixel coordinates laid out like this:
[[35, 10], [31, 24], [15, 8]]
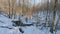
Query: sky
[[36, 1]]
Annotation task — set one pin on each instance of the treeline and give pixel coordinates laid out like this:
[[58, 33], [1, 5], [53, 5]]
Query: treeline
[[26, 7]]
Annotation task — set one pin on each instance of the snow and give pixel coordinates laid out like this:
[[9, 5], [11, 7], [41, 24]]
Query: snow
[[6, 22]]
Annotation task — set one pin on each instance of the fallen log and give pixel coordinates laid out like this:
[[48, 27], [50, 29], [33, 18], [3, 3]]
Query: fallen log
[[19, 23]]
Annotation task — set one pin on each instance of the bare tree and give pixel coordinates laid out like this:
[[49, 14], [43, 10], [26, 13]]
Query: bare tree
[[54, 14], [12, 6], [9, 7]]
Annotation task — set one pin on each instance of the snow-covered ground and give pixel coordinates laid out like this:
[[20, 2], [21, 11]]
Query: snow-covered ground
[[7, 23]]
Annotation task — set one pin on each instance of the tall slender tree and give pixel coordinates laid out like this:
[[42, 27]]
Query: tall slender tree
[[12, 6], [9, 7], [54, 14]]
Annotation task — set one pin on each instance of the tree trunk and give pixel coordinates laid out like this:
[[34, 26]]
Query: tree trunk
[[54, 14], [9, 7]]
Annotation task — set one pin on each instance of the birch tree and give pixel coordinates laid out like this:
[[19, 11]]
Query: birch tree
[[54, 14]]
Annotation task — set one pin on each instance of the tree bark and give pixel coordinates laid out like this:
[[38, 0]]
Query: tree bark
[[9, 7], [54, 14]]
